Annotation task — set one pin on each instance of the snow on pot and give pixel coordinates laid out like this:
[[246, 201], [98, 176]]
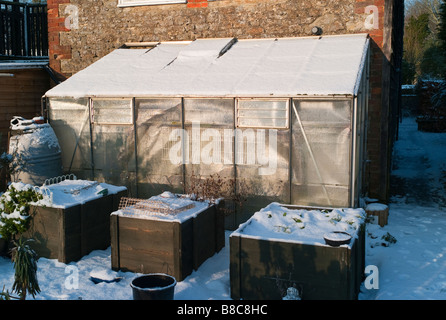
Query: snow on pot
[[337, 238], [36, 151], [153, 286]]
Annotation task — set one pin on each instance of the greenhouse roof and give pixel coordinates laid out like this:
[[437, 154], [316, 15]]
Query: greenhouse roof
[[227, 67]]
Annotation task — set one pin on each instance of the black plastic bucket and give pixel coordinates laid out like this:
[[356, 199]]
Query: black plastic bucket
[[154, 286]]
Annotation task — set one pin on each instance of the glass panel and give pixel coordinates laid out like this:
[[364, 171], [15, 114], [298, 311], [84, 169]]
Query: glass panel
[[70, 119], [316, 195], [321, 153], [159, 144], [209, 126], [262, 163], [262, 113], [113, 111], [114, 155], [215, 112]]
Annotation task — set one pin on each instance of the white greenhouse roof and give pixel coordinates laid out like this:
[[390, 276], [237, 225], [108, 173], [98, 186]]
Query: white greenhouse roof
[[311, 66]]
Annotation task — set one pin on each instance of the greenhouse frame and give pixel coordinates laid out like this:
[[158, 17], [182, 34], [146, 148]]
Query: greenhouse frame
[[285, 118]]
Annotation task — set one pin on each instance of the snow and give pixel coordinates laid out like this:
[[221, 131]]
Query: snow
[[68, 193], [337, 236], [412, 268], [172, 209], [276, 222], [320, 66], [34, 134], [376, 207], [72, 192]]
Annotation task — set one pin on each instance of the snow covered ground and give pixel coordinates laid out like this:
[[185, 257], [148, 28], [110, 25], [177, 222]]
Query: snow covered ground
[[412, 268]]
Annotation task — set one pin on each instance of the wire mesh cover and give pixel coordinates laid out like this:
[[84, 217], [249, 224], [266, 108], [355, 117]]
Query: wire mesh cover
[[154, 206]]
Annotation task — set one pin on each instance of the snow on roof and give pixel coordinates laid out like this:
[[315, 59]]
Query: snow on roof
[[328, 65]]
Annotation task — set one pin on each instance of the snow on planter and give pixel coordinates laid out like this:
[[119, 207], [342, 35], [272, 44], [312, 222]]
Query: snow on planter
[[283, 246], [379, 212], [166, 233], [73, 218], [69, 193]]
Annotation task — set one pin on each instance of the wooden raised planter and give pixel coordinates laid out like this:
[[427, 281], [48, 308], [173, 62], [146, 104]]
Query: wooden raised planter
[[262, 269], [176, 246], [68, 234], [432, 124]]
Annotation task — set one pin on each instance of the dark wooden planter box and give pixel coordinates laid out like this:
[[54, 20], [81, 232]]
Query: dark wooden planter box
[[436, 125], [262, 269], [177, 248], [68, 234]]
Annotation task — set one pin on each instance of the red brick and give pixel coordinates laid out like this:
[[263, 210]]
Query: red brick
[[197, 3]]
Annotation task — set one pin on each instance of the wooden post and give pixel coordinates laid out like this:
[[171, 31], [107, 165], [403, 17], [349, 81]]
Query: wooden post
[[379, 210], [114, 241]]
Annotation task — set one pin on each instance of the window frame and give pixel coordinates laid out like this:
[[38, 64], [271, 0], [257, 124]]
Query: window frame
[[287, 121], [95, 119]]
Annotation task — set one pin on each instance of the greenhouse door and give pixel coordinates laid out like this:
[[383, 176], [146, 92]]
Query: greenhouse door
[[321, 152]]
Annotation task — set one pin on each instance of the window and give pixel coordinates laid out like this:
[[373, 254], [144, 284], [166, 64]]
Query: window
[[130, 3], [112, 111], [262, 113]]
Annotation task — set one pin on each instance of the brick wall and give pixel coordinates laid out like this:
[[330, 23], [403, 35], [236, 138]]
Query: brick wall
[[56, 26], [100, 28], [378, 184]]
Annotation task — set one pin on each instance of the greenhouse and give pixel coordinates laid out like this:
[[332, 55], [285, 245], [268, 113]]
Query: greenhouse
[[285, 118]]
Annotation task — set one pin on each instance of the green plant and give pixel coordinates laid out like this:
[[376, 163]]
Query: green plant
[[11, 165], [15, 206], [389, 238], [335, 219], [284, 229], [5, 295], [299, 221], [25, 267]]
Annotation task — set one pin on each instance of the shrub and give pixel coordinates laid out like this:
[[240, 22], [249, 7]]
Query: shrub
[[15, 206], [25, 267], [439, 100], [214, 187]]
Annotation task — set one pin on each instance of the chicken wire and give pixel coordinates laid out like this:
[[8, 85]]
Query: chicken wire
[[147, 207]]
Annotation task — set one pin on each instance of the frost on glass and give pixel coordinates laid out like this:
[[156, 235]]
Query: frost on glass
[[321, 152], [114, 155], [113, 111], [158, 143], [262, 113], [262, 167], [70, 119], [209, 143]]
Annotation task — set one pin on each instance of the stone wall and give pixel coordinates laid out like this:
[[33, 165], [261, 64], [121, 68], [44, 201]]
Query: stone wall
[[82, 31], [103, 26]]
